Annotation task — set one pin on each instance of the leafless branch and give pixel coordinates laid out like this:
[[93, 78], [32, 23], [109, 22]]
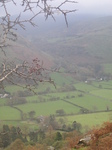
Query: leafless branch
[[35, 7], [30, 74]]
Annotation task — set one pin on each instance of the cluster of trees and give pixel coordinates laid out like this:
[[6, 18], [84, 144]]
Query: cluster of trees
[[15, 138], [18, 98], [8, 135], [60, 112], [51, 122], [23, 93], [16, 101]]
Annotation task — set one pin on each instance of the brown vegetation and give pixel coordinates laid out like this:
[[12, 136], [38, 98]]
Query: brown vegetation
[[102, 138]]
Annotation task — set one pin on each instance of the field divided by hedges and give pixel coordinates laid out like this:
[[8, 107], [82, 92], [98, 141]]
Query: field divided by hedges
[[92, 97], [92, 103], [89, 120], [48, 108]]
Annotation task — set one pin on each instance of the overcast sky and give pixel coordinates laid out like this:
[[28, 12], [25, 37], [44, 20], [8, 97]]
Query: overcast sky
[[100, 7], [95, 6]]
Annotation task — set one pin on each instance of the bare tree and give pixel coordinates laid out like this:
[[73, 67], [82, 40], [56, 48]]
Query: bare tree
[[26, 75], [30, 73]]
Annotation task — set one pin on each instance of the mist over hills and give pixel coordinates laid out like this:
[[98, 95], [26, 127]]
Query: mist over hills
[[86, 45], [23, 50]]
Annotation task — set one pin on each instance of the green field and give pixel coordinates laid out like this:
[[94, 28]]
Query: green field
[[93, 97], [85, 87], [102, 84], [107, 68], [48, 108], [8, 113], [90, 120], [60, 79], [64, 94], [92, 102], [103, 93], [3, 101], [13, 88]]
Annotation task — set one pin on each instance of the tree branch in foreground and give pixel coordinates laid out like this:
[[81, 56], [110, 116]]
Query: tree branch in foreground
[[25, 75], [46, 7]]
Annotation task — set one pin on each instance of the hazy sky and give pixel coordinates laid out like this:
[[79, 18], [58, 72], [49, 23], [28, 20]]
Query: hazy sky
[[95, 6], [102, 7]]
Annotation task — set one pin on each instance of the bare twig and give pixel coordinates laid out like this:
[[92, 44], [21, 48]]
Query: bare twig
[[30, 74], [42, 7]]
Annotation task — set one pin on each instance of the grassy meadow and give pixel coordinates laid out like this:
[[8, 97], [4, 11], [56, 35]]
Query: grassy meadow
[[48, 108], [89, 121], [107, 68], [8, 113], [92, 102], [97, 99], [103, 93]]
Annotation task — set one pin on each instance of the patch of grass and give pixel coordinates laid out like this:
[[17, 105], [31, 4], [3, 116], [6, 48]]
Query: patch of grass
[[32, 98], [48, 108], [103, 84], [10, 123], [13, 88], [21, 124], [89, 120], [8, 113], [3, 101], [41, 87], [64, 94], [93, 98], [52, 96], [108, 68], [85, 87], [61, 79], [93, 103], [104, 93]]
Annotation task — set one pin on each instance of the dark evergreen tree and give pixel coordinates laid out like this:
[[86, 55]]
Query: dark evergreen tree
[[58, 136], [33, 136]]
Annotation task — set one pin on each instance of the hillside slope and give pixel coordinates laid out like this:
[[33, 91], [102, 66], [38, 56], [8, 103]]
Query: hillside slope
[[24, 50], [85, 44]]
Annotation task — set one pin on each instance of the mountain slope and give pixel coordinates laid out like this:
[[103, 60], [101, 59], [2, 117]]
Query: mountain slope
[[24, 50], [92, 37], [85, 46]]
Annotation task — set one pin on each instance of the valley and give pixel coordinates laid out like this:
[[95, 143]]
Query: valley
[[83, 100], [79, 62]]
